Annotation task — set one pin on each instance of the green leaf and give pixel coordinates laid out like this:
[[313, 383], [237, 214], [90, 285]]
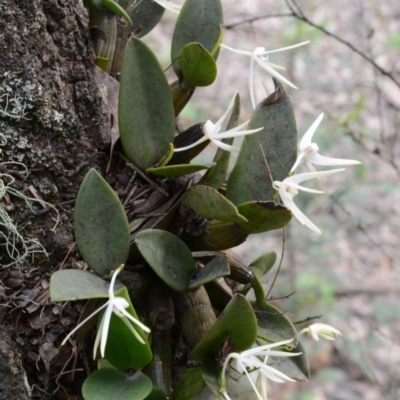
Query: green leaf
[[264, 263], [189, 384], [215, 269], [209, 203], [123, 350], [198, 21], [168, 256], [259, 268], [263, 216], [250, 179], [157, 394], [273, 325], [216, 177], [219, 235], [100, 224], [145, 15], [176, 170], [226, 330], [211, 372], [197, 65], [145, 109], [73, 284], [115, 7], [110, 384]]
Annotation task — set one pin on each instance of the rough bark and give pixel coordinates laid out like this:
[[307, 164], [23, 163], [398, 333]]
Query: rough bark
[[54, 117]]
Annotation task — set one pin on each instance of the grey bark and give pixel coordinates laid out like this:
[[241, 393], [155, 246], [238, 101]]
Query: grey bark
[[53, 118]]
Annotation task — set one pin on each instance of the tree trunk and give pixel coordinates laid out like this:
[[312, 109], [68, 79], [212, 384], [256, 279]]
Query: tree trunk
[[55, 123]]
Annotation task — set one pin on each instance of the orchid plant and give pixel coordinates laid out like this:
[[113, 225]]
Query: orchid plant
[[175, 227]]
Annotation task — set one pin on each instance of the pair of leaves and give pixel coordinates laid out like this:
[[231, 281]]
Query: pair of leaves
[[252, 217], [196, 35]]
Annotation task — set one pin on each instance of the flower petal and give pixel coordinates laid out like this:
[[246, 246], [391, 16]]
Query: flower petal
[[201, 140], [105, 327], [321, 160], [306, 140], [286, 48], [246, 53], [132, 329], [290, 204], [256, 350], [225, 146], [236, 133], [112, 283], [83, 322], [298, 178], [222, 119], [98, 337], [136, 321], [277, 75]]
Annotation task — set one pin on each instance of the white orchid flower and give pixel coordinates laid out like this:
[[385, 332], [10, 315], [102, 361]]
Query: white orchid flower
[[250, 360], [289, 187], [176, 8], [308, 151], [211, 132], [260, 56], [118, 306], [315, 330]]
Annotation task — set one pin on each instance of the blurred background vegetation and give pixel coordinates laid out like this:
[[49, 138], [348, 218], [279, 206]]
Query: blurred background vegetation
[[350, 274]]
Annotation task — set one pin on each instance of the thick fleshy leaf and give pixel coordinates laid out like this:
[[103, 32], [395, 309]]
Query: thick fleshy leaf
[[209, 203], [197, 65], [198, 21], [176, 170], [215, 269], [211, 372], [296, 367], [168, 256], [189, 384], [100, 225], [157, 394], [145, 109], [219, 235], [273, 324], [216, 177], [73, 284], [275, 145], [259, 268], [264, 263], [110, 384], [145, 15], [113, 6], [263, 216], [227, 331], [123, 350]]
